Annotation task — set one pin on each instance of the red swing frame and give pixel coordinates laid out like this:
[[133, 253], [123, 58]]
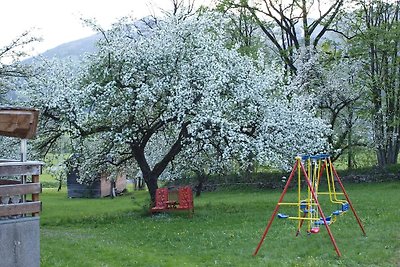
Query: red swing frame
[[299, 166]]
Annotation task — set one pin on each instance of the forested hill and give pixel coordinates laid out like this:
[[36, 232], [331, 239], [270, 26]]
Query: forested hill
[[77, 48], [74, 49]]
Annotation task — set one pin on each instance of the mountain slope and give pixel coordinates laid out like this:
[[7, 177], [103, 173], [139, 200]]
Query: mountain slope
[[73, 49]]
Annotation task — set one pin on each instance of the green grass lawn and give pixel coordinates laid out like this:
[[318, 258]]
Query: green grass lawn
[[224, 231]]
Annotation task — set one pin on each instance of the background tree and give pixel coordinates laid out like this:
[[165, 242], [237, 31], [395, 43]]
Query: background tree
[[290, 25], [315, 60], [10, 63], [12, 70], [244, 31], [335, 83], [375, 40]]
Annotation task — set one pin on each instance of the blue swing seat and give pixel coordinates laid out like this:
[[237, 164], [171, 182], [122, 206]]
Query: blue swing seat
[[321, 221], [337, 212], [310, 210], [282, 216], [303, 207], [345, 206]]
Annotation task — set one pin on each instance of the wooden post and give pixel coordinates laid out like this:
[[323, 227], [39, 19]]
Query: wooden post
[[35, 197]]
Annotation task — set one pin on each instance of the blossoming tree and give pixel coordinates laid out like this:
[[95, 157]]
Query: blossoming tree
[[148, 98]]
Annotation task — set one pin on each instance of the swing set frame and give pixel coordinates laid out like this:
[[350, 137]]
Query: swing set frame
[[312, 176]]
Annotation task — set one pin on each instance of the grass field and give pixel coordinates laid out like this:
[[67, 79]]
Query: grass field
[[224, 231]]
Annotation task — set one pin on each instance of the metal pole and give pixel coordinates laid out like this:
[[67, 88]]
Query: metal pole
[[348, 200], [23, 149], [275, 210], [320, 211], [23, 159]]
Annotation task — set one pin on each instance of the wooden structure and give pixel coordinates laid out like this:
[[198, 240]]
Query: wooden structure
[[99, 188], [173, 200], [19, 193], [18, 122], [20, 199]]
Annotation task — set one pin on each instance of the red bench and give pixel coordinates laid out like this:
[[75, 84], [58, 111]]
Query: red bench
[[172, 200]]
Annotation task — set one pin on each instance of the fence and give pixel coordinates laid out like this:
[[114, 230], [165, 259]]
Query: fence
[[20, 198]]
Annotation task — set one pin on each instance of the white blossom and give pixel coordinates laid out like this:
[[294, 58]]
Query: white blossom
[[180, 76]]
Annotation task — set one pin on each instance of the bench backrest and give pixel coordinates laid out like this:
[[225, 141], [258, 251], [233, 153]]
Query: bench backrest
[[185, 197], [161, 197]]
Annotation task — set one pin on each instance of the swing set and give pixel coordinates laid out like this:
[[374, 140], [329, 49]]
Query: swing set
[[311, 169]]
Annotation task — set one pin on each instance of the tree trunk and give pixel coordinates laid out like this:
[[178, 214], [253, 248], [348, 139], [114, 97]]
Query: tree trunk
[[380, 19], [150, 175], [140, 183], [59, 185], [201, 178], [388, 155], [152, 185], [112, 189], [199, 188], [350, 155]]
